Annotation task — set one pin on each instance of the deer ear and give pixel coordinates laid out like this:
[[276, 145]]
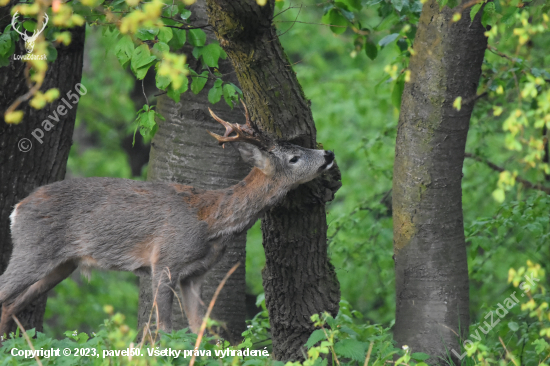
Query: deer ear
[[253, 155]]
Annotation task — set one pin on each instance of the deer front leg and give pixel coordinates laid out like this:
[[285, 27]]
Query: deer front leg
[[164, 283], [192, 303]]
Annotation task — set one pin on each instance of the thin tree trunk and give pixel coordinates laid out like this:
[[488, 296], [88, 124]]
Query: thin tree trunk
[[21, 172], [429, 245], [298, 278], [182, 151]]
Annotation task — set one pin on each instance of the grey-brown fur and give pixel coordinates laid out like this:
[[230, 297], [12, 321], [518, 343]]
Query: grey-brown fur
[[176, 232]]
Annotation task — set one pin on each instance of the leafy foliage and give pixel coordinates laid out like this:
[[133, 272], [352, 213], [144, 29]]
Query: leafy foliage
[[141, 35], [354, 74]]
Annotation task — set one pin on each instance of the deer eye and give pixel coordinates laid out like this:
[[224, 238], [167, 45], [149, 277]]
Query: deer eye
[[294, 159]]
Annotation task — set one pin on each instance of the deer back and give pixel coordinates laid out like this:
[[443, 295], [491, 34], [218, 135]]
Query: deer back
[[111, 223]]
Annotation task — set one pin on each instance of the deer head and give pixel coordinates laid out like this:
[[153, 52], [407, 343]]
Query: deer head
[[290, 164], [29, 40]]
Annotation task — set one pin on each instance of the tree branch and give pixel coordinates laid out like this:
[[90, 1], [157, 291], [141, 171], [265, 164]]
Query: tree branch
[[499, 169]]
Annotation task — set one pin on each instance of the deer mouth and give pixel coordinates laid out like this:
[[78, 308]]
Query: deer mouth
[[329, 161], [326, 166]]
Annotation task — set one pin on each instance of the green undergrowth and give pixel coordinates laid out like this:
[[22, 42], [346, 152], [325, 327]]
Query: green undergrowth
[[345, 340], [345, 337]]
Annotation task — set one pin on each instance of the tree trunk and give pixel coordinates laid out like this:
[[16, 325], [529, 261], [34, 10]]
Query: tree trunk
[[298, 278], [20, 171], [182, 151], [429, 245]]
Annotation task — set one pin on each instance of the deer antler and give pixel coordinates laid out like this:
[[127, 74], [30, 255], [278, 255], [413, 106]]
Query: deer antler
[[15, 16], [243, 133], [36, 34]]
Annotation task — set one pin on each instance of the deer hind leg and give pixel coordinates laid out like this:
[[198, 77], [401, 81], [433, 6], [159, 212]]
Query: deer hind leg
[[40, 287], [192, 303], [164, 283]]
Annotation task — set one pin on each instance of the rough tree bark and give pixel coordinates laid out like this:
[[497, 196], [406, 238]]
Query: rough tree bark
[[298, 278], [182, 151], [429, 245], [21, 172]]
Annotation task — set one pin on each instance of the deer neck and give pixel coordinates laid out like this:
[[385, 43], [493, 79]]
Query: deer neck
[[235, 209]]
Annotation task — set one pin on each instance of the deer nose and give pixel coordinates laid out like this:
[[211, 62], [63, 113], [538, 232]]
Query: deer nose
[[329, 156]]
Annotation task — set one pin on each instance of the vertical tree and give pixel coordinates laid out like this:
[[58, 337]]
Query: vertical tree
[[298, 278], [429, 245], [24, 167], [182, 151]]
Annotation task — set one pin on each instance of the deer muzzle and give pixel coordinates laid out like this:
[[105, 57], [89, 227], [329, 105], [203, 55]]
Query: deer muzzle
[[329, 160]]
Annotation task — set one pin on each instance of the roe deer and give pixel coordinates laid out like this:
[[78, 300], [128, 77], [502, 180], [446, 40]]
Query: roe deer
[[174, 232]]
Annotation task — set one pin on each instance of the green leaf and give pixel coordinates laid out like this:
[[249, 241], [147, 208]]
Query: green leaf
[[350, 348], [185, 14], [215, 94], [452, 4], [210, 54], [540, 346], [509, 16], [52, 53], [141, 57], [499, 195], [31, 333], [261, 297], [178, 39], [488, 14], [354, 4], [334, 17], [316, 336], [147, 34], [165, 34], [141, 61], [175, 94], [475, 10], [371, 49], [162, 81], [198, 82], [110, 38], [347, 14], [416, 7], [397, 92], [82, 338], [29, 25], [398, 4], [5, 44], [161, 47], [124, 50], [230, 94], [197, 37], [149, 120], [388, 39], [402, 44], [419, 356], [237, 89], [388, 22], [513, 325], [142, 71]]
